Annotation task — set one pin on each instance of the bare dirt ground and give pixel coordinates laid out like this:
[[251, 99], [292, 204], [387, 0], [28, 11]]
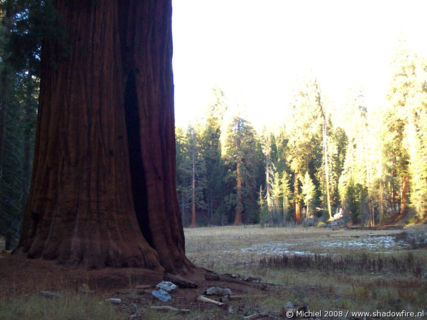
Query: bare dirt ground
[[318, 269]]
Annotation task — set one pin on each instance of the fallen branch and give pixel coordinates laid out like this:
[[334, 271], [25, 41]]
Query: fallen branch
[[212, 276], [169, 308], [179, 281], [208, 300]]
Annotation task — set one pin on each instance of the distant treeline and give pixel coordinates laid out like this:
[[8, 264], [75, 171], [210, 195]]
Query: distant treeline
[[369, 165]]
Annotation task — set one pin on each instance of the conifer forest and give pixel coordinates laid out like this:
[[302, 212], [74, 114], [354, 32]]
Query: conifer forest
[[366, 166]]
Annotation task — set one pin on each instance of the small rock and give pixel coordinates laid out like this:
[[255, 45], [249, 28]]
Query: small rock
[[289, 305], [50, 294], [114, 300], [162, 295], [167, 286], [217, 291]]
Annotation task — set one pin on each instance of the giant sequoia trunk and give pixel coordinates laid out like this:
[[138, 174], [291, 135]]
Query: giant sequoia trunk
[[103, 185]]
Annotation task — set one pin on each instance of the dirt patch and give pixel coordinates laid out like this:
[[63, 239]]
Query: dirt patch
[[20, 275]]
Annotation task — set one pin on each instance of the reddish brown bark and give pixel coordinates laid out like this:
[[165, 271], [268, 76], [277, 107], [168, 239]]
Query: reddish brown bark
[[103, 185], [238, 216], [404, 197], [297, 200], [381, 203]]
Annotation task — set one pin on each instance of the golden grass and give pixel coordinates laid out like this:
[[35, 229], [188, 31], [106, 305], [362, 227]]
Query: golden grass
[[224, 249], [69, 307]]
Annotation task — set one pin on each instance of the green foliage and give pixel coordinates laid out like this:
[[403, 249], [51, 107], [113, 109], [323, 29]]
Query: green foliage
[[351, 201], [286, 196], [30, 22], [211, 153], [19, 86], [190, 165], [304, 147], [263, 210], [404, 152], [242, 148]]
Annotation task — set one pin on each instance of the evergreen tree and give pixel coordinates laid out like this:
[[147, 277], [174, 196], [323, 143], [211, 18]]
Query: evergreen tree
[[20, 39], [243, 159], [304, 145], [269, 175], [211, 152], [198, 174], [404, 132], [183, 172], [360, 171], [191, 171], [286, 196]]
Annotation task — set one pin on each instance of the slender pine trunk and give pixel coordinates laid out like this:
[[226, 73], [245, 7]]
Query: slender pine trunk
[[239, 205], [404, 194], [326, 163], [193, 191], [297, 202]]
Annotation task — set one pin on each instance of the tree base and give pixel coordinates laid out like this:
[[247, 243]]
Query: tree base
[[42, 274]]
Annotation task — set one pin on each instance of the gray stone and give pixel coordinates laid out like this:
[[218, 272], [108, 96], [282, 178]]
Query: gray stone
[[162, 295], [167, 286], [217, 291]]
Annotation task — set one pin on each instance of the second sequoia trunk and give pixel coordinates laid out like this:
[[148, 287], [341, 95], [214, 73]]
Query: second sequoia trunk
[[103, 185]]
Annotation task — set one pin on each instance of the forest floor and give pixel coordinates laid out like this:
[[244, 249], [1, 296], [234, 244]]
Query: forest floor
[[329, 272]]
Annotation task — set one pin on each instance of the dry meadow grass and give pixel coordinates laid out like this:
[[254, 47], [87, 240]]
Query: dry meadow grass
[[321, 268], [400, 283]]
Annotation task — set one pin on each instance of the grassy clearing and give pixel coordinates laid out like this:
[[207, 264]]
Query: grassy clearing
[[356, 270]]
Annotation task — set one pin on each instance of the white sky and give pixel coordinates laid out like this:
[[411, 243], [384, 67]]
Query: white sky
[[255, 50]]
